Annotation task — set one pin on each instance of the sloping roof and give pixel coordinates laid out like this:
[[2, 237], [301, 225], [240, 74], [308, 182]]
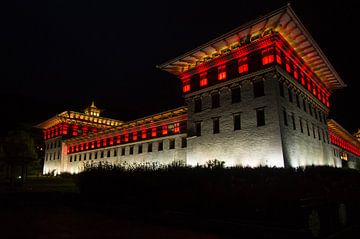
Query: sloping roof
[[283, 21], [337, 129]]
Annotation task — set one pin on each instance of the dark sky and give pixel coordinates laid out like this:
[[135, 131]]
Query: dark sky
[[60, 55]]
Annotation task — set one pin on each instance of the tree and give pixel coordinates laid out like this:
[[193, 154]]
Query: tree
[[17, 151]]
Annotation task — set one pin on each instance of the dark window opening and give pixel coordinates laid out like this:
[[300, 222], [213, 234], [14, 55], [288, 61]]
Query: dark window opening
[[293, 121], [140, 149], [258, 88], [235, 95], [285, 117], [131, 152], [115, 152], [123, 151], [216, 126], [183, 142], [108, 154], [290, 95], [281, 87], [237, 122], [160, 146], [149, 147], [171, 143], [297, 100], [215, 100], [260, 117], [198, 128], [197, 105], [304, 105], [102, 154], [301, 126]]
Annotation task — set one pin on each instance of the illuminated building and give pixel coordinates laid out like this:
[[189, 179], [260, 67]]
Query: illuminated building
[[256, 96]]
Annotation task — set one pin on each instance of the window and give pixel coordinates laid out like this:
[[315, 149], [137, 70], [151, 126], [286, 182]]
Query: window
[[301, 125], [171, 143], [197, 105], [58, 155], [323, 134], [267, 56], [287, 65], [313, 127], [176, 128], [258, 88], [296, 74], [285, 117], [307, 127], [319, 133], [75, 157], [95, 155], [304, 105], [290, 95], [70, 158], [108, 154], [293, 121], [183, 142], [237, 121], [143, 134], [160, 145], [216, 126], [281, 87], [131, 150], [222, 72], [310, 110], [80, 157], [215, 100], [122, 151], [140, 149], [235, 95], [297, 100], [186, 86], [320, 116], [203, 79], [102, 154], [260, 117], [90, 156], [85, 157], [243, 65], [198, 128], [153, 132], [164, 129], [149, 147], [59, 143]]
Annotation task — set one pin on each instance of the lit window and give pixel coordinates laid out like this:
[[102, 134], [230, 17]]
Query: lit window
[[87, 145], [176, 127], [186, 87], [81, 146], [164, 129], [302, 79], [243, 65], [287, 65], [104, 142], [111, 141], [153, 132], [203, 79], [118, 140], [134, 136], [267, 56], [222, 72], [93, 144], [126, 137], [278, 59], [98, 143], [296, 75], [143, 134]]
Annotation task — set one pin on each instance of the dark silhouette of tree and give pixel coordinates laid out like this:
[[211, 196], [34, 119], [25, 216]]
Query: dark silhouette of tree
[[17, 151]]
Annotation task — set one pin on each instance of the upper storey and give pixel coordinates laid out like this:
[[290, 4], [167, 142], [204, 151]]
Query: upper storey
[[71, 123], [282, 22]]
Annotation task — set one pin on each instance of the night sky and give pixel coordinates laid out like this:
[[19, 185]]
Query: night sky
[[61, 55]]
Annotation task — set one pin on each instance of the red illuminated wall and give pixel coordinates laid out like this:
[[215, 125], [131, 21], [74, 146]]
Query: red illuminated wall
[[342, 143]]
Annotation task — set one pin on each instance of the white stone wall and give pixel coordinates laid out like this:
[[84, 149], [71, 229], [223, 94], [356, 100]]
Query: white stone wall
[[163, 157], [53, 156], [301, 149], [251, 146]]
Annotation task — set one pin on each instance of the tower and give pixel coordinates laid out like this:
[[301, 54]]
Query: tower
[[258, 95]]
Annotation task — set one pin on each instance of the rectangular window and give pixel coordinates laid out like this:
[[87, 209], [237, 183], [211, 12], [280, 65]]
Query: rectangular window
[[176, 127], [203, 79], [58, 155], [301, 125], [235, 95], [237, 122], [149, 147], [70, 158], [319, 133], [90, 155], [222, 72], [323, 134], [183, 142], [197, 105], [160, 145], [304, 105], [243, 65], [131, 150], [198, 128], [95, 155], [307, 127], [281, 88], [153, 132], [122, 151], [186, 86], [102, 154], [143, 134], [216, 126], [290, 95], [310, 110], [108, 154], [260, 117], [293, 121], [140, 149], [285, 117], [297, 100], [80, 157], [171, 143], [267, 56], [164, 129], [287, 65], [215, 100], [320, 116], [115, 152], [313, 127], [134, 136], [258, 87]]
